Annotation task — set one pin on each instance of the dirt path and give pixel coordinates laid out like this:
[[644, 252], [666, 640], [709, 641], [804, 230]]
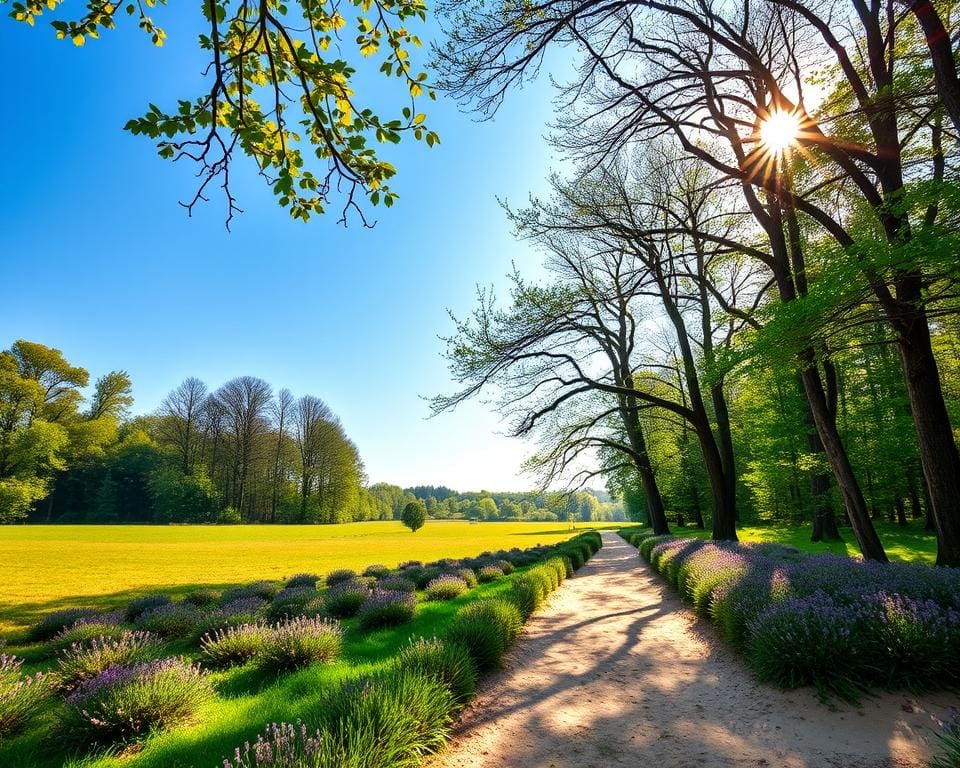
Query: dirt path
[[615, 671]]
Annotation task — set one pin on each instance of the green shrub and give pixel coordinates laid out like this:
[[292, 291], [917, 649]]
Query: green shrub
[[140, 605], [387, 608], [506, 566], [124, 702], [489, 573], [577, 558], [299, 642], [291, 601], [449, 662], [54, 623], [376, 570], [87, 659], [486, 629], [339, 576], [469, 576], [446, 588], [302, 580], [20, 696], [234, 645], [173, 621], [201, 597], [83, 632], [392, 719], [564, 566]]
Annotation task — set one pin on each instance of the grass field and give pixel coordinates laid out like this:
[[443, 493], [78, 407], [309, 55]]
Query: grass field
[[48, 567]]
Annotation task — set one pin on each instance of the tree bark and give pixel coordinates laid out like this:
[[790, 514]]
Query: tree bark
[[856, 506], [938, 451]]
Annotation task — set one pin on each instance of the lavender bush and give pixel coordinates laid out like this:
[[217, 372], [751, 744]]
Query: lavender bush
[[825, 620], [140, 605], [376, 570], [20, 695], [127, 701], [340, 575], [291, 601], [396, 584], [281, 745], [83, 631], [446, 587], [299, 642], [85, 660], [344, 599], [234, 645], [54, 623], [172, 621], [387, 608], [489, 573], [948, 741]]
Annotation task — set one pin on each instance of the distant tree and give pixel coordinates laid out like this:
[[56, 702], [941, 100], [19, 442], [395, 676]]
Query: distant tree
[[181, 421], [414, 515]]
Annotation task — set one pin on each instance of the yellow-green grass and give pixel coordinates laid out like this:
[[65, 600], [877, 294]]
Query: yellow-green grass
[[49, 567], [910, 544]]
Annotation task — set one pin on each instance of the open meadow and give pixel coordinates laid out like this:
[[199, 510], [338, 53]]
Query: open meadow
[[48, 567]]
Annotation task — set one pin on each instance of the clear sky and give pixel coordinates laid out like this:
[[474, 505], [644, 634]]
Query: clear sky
[[99, 260]]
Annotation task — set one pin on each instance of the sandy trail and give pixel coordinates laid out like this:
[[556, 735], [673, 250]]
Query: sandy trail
[[615, 671]]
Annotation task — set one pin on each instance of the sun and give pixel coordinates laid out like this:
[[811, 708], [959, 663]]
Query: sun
[[779, 131]]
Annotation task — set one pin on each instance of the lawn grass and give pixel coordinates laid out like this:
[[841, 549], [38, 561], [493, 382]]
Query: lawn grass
[[910, 544], [49, 567]]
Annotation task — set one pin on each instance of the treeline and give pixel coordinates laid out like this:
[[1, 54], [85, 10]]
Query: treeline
[[444, 503], [237, 453]]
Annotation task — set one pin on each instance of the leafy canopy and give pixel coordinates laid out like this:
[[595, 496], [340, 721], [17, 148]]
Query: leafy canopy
[[278, 77]]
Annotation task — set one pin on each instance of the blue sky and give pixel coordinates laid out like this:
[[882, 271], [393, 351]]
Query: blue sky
[[98, 259]]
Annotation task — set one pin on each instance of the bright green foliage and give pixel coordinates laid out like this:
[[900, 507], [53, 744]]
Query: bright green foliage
[[414, 516], [448, 662], [394, 718], [280, 76], [486, 628]]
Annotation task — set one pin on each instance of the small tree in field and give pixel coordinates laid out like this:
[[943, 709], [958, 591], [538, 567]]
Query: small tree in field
[[414, 515]]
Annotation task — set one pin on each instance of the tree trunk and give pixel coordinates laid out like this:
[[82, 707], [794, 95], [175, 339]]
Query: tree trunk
[[941, 56], [724, 508], [824, 518], [938, 452], [855, 504], [651, 491]]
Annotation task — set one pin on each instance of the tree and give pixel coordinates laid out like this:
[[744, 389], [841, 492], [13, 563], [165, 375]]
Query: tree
[[276, 72], [414, 515], [245, 402], [181, 421]]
